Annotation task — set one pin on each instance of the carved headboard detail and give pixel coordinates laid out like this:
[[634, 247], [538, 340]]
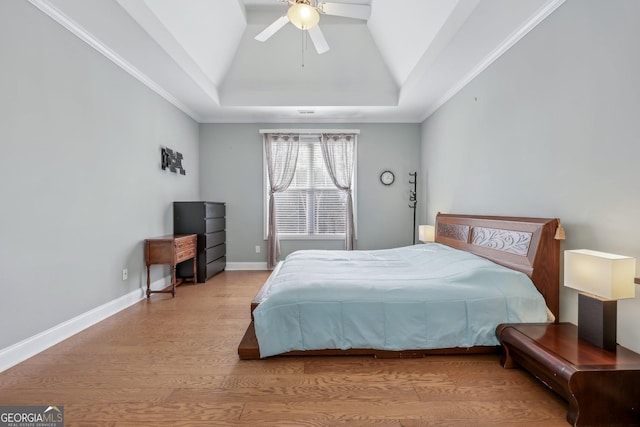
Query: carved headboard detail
[[515, 242], [454, 231], [523, 244]]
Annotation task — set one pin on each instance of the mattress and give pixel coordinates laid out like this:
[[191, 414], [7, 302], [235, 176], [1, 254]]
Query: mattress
[[415, 297]]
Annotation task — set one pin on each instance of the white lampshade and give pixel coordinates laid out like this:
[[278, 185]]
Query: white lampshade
[[605, 275], [303, 16], [426, 233]]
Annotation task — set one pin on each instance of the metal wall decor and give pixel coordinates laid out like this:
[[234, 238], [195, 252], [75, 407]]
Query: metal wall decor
[[172, 160]]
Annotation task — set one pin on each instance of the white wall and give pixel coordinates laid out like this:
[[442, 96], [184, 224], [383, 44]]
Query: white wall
[[231, 172], [80, 182], [551, 129]]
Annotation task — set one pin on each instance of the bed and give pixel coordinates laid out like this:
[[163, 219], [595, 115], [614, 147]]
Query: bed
[[445, 297]]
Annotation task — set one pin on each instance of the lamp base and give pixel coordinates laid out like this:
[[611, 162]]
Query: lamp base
[[597, 321]]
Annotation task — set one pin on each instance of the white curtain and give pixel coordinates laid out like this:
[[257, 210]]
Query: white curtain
[[338, 152], [281, 151]]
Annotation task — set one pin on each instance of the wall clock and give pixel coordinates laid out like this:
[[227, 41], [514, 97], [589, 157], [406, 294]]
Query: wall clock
[[387, 177]]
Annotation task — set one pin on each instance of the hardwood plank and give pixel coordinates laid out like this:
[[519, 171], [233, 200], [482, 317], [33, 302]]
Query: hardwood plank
[[450, 393], [497, 411], [300, 394], [390, 381], [268, 423], [173, 362], [150, 381], [71, 394], [148, 412]]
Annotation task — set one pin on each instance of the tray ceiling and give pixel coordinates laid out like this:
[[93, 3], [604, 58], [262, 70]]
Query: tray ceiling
[[399, 66]]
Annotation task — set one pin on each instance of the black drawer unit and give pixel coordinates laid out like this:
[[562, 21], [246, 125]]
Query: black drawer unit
[[207, 220]]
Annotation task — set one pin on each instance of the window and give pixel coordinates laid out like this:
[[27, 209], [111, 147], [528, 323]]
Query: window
[[311, 207]]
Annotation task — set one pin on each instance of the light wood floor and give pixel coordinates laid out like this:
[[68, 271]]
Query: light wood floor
[[173, 362]]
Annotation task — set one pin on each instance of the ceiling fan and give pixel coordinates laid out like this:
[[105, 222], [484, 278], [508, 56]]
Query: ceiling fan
[[305, 14]]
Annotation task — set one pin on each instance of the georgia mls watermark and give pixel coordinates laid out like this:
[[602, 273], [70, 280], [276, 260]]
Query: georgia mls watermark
[[31, 416]]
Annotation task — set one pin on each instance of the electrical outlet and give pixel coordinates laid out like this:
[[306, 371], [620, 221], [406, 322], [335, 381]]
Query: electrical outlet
[[257, 249], [125, 274]]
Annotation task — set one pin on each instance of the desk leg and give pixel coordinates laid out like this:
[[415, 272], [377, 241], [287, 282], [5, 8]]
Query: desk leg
[[173, 281], [148, 283], [195, 271]]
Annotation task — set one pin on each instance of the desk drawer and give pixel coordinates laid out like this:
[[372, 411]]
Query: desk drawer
[[185, 243], [184, 254]]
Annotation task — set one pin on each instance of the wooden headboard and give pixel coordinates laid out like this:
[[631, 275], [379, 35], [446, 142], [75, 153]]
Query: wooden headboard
[[523, 244]]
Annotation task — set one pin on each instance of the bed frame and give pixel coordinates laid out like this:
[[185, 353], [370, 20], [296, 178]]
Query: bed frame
[[527, 245]]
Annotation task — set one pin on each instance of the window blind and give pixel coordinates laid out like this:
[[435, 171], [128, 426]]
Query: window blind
[[312, 205]]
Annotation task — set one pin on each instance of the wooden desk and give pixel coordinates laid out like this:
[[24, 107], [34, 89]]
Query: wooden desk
[[601, 386], [170, 250]]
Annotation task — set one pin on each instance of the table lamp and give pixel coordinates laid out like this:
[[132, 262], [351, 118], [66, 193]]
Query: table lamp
[[602, 279], [427, 233]]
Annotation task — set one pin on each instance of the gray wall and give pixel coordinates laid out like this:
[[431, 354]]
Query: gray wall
[[551, 129], [231, 171], [81, 184]]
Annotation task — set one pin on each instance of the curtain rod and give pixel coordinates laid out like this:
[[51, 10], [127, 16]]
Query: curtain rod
[[310, 131]]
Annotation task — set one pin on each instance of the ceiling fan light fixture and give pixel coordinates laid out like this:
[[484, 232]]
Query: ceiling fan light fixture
[[303, 16]]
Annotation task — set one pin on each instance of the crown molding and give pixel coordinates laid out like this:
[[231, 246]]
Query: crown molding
[[507, 44], [76, 29]]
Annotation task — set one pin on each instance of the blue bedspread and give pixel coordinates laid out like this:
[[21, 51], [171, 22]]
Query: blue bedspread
[[415, 297]]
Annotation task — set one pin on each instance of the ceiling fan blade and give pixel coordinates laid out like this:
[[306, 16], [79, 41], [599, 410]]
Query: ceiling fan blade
[[272, 29], [357, 11], [318, 39]]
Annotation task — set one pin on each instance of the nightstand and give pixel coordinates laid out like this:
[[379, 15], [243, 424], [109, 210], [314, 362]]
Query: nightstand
[[601, 386]]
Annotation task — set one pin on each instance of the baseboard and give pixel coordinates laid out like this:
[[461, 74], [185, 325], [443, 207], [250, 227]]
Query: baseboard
[[19, 352], [246, 266]]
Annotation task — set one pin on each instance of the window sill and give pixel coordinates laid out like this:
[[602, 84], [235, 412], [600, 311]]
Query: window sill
[[285, 237]]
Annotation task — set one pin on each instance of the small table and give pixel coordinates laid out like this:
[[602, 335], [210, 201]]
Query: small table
[[170, 250], [601, 386]]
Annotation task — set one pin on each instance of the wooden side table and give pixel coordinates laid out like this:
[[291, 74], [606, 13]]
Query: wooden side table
[[601, 386], [170, 250]]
